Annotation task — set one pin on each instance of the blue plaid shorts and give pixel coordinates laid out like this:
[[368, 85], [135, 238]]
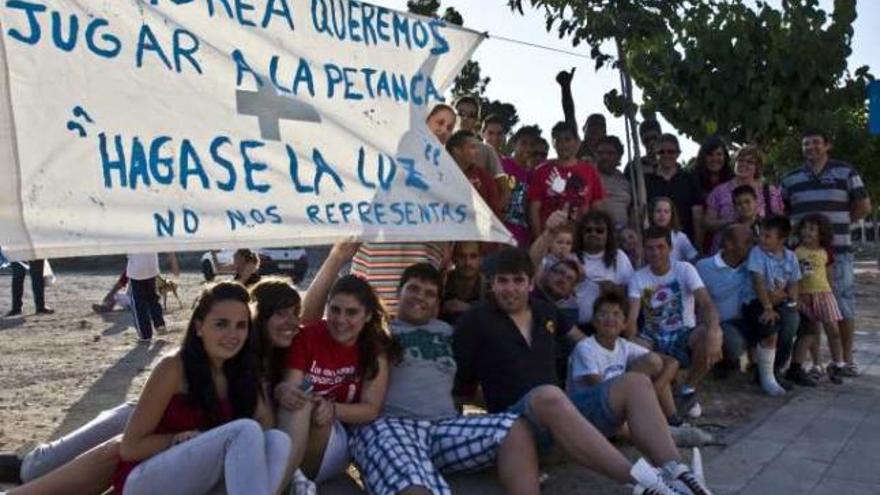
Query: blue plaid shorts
[[395, 453], [673, 343]]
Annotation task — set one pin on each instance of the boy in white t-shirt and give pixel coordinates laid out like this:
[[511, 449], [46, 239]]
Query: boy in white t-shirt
[[607, 355], [669, 292]]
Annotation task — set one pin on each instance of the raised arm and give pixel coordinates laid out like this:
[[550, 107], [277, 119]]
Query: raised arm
[[316, 296], [564, 79]]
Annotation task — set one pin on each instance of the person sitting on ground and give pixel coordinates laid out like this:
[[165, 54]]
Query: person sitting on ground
[[519, 172], [663, 214], [404, 450], [606, 356], [465, 285], [564, 181], [464, 148], [337, 370], [770, 305], [203, 422], [817, 303], [246, 264], [606, 268], [84, 460], [113, 297], [669, 293], [725, 275], [507, 346]]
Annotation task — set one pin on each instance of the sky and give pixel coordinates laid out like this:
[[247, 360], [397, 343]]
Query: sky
[[525, 75]]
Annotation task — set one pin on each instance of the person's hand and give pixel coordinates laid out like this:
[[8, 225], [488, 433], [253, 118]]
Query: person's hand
[[184, 436], [557, 218], [290, 397], [455, 306], [324, 412], [769, 316], [778, 296], [345, 250], [714, 345], [564, 77]]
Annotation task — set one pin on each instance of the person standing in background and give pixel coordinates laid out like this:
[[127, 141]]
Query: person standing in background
[[19, 270]]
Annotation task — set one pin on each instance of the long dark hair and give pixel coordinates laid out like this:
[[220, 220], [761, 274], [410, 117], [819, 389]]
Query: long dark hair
[[374, 339], [609, 256], [269, 296], [674, 222], [826, 233], [241, 371], [702, 170]]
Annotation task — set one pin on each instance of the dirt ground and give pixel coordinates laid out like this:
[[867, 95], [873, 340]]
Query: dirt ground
[[58, 371]]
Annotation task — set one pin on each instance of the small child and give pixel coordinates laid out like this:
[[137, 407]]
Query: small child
[[817, 302], [664, 214], [770, 307], [561, 242], [606, 355], [745, 203]]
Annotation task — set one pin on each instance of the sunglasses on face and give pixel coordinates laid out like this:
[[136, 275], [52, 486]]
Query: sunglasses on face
[[594, 230], [667, 152]]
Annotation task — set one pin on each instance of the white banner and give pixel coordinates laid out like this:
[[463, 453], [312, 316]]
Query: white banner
[[168, 125]]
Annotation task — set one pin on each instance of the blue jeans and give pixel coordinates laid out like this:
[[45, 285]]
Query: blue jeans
[[845, 285]]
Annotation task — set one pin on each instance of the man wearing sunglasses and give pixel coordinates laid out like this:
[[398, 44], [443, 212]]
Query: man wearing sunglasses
[[671, 181]]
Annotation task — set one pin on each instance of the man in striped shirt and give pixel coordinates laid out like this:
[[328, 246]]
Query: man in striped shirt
[[832, 188]]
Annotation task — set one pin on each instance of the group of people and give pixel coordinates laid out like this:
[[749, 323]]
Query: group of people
[[590, 328]]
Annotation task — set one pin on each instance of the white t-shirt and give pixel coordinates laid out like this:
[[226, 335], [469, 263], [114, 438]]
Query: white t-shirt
[[682, 247], [142, 266], [667, 301], [588, 291], [589, 357]]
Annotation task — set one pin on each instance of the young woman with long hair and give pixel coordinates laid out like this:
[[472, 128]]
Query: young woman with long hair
[[337, 370], [203, 411]]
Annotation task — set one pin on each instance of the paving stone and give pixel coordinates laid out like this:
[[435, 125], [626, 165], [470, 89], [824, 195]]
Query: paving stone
[[787, 475], [833, 486], [732, 469], [859, 461]]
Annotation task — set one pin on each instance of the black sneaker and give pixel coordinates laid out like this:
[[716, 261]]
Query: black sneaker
[[13, 312], [834, 373], [797, 375], [10, 467], [46, 311]]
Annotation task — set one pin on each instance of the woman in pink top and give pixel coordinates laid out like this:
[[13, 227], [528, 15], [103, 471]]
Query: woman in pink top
[[748, 170]]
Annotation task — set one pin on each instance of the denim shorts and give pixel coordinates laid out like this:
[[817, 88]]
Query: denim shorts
[[522, 407], [844, 285], [594, 403]]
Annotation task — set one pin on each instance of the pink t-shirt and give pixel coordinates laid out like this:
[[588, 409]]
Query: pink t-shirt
[[720, 201]]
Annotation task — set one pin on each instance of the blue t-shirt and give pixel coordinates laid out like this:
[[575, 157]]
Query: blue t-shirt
[[778, 270], [725, 285]]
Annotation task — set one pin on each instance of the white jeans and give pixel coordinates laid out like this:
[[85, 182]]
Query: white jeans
[[50, 456], [239, 454]]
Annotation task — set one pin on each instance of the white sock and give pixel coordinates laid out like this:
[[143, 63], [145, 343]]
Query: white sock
[[765, 370]]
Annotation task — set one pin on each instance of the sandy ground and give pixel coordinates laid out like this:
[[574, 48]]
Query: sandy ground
[[58, 371]]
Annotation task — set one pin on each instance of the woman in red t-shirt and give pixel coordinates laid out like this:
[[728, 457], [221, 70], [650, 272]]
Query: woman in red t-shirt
[[337, 369], [202, 412]]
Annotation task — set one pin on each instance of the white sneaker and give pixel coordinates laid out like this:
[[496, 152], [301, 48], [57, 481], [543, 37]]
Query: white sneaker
[[302, 485], [695, 411], [649, 480]]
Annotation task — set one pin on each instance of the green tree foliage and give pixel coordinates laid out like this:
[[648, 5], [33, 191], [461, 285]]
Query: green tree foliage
[[751, 73], [470, 80]]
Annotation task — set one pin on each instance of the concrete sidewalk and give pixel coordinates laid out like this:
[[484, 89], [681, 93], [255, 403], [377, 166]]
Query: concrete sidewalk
[[825, 441]]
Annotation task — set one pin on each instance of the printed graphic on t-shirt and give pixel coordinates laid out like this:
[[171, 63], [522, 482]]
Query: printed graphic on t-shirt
[[806, 267], [565, 186], [427, 346], [615, 369], [664, 307], [516, 211], [332, 381]]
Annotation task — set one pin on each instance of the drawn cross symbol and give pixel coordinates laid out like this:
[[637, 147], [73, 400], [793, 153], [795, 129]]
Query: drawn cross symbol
[[270, 108]]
